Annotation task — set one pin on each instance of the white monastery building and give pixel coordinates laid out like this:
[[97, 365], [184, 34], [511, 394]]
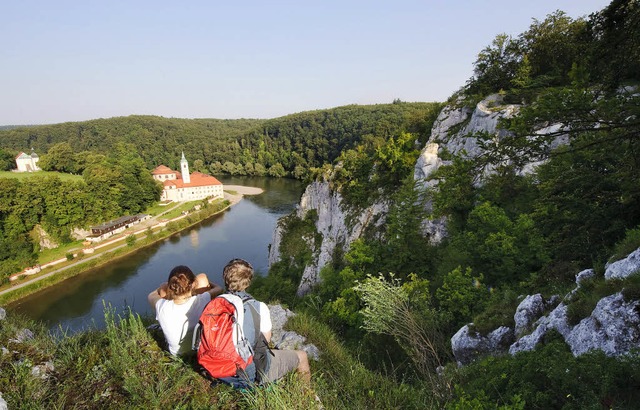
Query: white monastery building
[[182, 186], [27, 162]]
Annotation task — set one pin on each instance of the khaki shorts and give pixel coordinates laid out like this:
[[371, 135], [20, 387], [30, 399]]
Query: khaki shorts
[[282, 362]]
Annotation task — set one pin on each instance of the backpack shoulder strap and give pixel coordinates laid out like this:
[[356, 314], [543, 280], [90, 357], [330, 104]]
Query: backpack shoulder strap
[[237, 303]]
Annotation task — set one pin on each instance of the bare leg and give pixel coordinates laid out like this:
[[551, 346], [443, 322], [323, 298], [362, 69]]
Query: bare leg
[[303, 366]]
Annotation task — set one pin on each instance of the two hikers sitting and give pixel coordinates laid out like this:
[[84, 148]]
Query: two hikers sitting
[[186, 300]]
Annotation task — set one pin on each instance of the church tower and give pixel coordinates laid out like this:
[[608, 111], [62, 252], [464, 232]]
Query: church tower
[[184, 169]]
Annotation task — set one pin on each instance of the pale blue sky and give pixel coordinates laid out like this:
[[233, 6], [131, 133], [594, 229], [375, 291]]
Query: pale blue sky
[[77, 60]]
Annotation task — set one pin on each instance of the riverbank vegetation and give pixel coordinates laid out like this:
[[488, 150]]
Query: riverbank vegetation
[[81, 264], [111, 185]]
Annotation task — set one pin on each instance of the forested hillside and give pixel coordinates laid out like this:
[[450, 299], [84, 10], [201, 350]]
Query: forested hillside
[[285, 146], [551, 191]]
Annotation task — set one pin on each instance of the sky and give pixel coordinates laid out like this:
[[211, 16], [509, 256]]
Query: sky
[[78, 60]]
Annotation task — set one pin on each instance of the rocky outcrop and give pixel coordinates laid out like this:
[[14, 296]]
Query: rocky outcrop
[[43, 239], [283, 339], [623, 268], [335, 224], [612, 327], [467, 345]]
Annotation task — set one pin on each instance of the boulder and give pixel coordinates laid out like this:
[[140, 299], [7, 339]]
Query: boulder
[[3, 403], [43, 370], [613, 327], [528, 311], [556, 320], [22, 336], [625, 267], [584, 275], [283, 339], [468, 345], [3, 314]]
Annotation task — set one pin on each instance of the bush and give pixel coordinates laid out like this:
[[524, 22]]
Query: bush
[[131, 240], [630, 243], [550, 377], [69, 256]]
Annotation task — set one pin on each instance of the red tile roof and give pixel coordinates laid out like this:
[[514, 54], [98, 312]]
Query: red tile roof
[[197, 179], [161, 170]]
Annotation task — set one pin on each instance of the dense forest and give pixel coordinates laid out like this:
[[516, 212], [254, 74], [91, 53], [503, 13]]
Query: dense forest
[[286, 146], [510, 233]]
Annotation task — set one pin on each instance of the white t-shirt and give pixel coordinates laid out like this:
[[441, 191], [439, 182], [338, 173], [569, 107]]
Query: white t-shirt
[[177, 321], [265, 318]]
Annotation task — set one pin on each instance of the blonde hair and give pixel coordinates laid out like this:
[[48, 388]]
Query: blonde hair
[[237, 275], [180, 282]]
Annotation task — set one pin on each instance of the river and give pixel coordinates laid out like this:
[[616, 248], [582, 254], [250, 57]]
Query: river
[[244, 231]]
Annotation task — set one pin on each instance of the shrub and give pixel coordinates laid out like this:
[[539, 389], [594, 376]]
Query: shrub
[[404, 312], [550, 377], [131, 240], [69, 256], [630, 243]]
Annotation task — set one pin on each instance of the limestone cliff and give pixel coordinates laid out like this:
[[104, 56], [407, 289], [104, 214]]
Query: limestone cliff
[[337, 226], [454, 131]]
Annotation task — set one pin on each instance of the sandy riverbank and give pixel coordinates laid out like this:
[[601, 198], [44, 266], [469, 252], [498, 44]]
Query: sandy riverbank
[[234, 193]]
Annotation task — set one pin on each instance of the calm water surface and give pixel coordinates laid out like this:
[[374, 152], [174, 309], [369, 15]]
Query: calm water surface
[[244, 231]]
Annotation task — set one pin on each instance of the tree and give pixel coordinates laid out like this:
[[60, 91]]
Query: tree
[[7, 160], [496, 66], [277, 170], [60, 157]]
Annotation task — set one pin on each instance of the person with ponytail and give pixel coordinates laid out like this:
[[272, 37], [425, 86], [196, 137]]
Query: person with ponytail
[[178, 304]]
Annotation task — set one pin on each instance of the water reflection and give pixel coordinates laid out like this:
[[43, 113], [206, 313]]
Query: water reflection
[[243, 231], [195, 242]]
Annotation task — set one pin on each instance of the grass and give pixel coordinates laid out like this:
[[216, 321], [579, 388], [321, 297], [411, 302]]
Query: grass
[[182, 207], [48, 255], [40, 174], [158, 209], [122, 367]]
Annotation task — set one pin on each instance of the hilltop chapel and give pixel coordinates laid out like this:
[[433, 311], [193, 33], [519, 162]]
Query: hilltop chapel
[[182, 186], [27, 162]]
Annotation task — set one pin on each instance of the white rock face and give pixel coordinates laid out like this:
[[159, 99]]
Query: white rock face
[[3, 314], [44, 239], [625, 267], [332, 225], [613, 327], [428, 162], [274, 246], [3, 404]]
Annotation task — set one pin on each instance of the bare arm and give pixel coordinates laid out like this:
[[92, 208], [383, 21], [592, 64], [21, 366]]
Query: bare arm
[[202, 285], [157, 294]]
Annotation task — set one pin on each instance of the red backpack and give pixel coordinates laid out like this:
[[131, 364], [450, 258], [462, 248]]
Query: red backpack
[[223, 349]]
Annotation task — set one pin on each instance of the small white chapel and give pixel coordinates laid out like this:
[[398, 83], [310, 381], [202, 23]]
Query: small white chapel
[[27, 162], [183, 186]]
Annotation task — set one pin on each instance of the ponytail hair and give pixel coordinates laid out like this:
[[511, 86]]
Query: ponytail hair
[[180, 282]]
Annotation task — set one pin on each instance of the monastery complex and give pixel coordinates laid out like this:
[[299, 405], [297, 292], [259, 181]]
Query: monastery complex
[[183, 186]]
